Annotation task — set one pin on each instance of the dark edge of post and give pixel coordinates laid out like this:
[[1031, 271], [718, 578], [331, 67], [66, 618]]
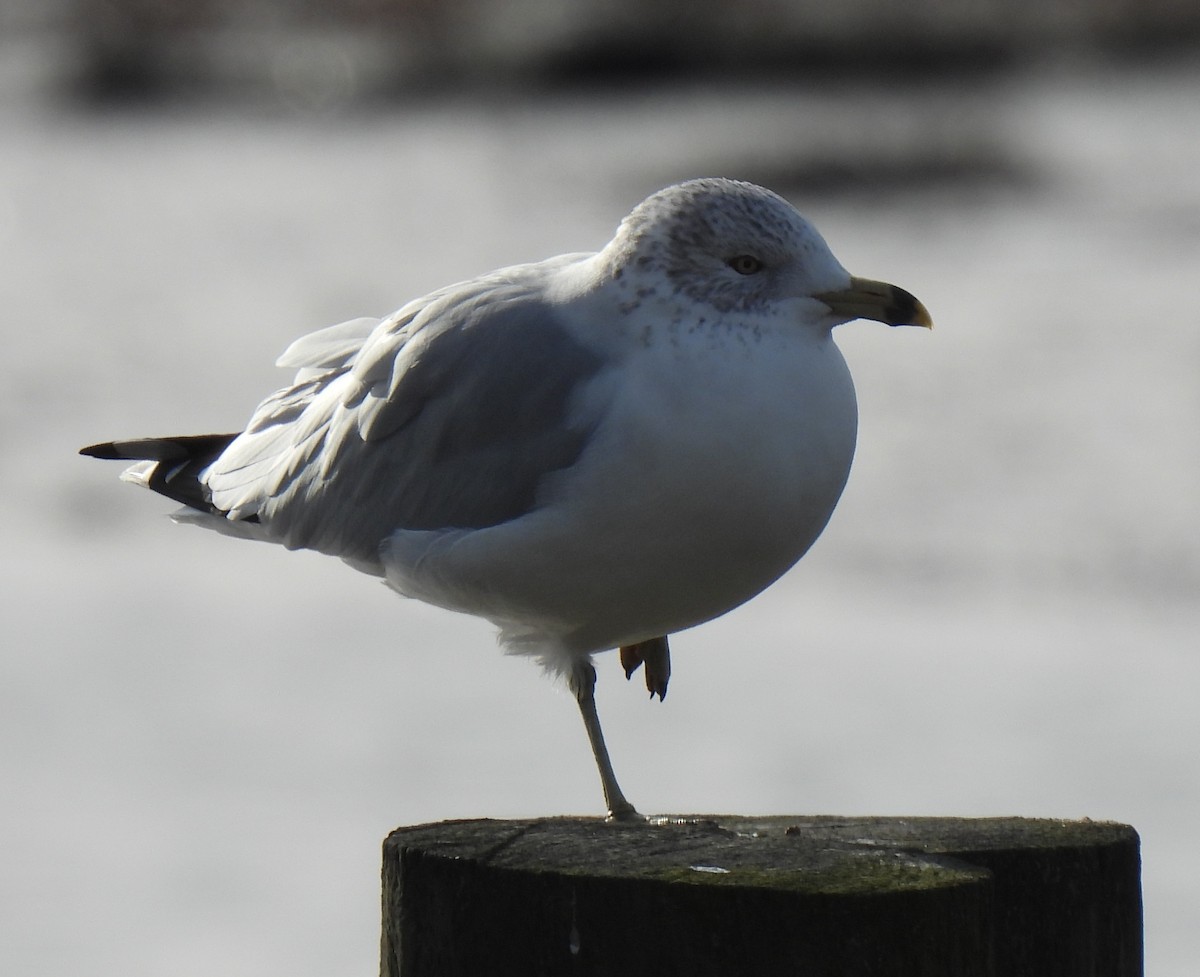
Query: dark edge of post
[[717, 895]]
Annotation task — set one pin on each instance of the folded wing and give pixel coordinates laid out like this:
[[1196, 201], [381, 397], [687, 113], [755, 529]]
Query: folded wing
[[446, 415]]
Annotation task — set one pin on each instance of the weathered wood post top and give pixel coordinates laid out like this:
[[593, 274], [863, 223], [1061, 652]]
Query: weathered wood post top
[[730, 895]]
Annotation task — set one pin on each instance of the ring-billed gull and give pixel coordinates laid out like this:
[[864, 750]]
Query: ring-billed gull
[[592, 451]]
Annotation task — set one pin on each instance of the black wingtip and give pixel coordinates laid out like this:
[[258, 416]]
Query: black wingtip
[[185, 448], [106, 450], [178, 463]]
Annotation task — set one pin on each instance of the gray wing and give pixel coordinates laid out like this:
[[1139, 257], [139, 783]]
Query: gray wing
[[448, 415]]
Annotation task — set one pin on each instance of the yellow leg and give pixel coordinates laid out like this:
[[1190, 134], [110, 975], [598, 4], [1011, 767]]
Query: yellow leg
[[583, 685]]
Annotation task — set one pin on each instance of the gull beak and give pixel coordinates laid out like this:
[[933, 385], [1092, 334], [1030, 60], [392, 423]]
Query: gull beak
[[867, 299]]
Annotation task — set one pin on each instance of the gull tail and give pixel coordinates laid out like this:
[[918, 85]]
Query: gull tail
[[168, 466]]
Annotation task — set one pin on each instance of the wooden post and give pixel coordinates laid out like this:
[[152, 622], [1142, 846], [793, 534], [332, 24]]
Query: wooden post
[[726, 895]]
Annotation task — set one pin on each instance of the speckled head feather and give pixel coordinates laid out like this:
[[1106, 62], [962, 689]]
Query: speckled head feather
[[691, 231]]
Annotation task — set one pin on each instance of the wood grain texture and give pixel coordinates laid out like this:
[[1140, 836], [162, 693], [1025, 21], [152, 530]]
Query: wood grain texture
[[727, 895]]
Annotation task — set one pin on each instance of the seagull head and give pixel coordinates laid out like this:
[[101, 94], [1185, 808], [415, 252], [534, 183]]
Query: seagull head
[[744, 250]]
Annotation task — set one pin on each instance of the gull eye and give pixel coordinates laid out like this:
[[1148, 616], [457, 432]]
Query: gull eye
[[745, 264]]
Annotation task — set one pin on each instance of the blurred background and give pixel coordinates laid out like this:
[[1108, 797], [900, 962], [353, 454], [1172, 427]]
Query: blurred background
[[203, 742]]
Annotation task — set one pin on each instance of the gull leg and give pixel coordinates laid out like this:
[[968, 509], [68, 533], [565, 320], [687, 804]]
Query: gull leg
[[583, 685], [656, 654]]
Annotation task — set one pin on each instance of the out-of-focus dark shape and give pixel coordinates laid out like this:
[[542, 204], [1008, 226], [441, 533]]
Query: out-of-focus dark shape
[[321, 54], [136, 49]]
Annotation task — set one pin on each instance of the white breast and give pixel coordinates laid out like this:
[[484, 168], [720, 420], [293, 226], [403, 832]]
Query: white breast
[[716, 463]]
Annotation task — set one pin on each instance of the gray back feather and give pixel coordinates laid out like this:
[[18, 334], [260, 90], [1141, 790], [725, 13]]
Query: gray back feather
[[449, 415]]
